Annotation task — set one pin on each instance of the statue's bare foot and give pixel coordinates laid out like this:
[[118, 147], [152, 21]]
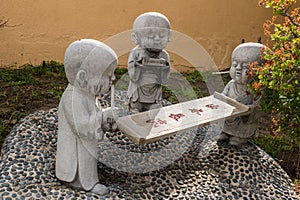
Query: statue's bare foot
[[99, 189]]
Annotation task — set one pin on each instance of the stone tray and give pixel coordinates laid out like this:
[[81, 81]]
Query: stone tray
[[153, 62], [155, 124]]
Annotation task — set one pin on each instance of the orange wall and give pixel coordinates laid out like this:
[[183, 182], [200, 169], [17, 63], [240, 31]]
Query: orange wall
[[43, 29]]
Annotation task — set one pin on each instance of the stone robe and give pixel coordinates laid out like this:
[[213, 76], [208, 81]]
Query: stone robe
[[76, 157], [145, 84], [244, 126]]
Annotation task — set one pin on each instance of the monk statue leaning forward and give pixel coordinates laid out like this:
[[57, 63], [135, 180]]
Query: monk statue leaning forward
[[89, 66]]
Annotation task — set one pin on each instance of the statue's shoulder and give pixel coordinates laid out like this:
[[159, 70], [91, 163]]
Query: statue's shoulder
[[165, 55], [231, 82], [228, 87], [135, 53], [137, 50], [67, 94]]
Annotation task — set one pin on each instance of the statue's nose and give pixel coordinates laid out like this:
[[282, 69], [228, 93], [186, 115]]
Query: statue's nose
[[239, 66]]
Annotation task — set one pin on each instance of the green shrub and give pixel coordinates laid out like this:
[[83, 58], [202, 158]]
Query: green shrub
[[278, 78]]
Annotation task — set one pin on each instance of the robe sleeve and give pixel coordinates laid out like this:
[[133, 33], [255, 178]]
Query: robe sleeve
[[87, 117], [227, 88], [166, 71], [133, 71]]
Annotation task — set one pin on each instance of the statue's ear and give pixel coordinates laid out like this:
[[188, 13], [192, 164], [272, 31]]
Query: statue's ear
[[82, 78], [170, 35], [134, 38]]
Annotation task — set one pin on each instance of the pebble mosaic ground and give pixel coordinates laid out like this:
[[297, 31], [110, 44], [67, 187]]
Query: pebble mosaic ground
[[190, 165]]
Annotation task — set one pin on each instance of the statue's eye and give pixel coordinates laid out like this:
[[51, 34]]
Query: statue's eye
[[234, 64]]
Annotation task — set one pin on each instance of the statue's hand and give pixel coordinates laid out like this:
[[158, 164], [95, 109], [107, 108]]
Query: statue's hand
[[109, 116], [140, 56], [138, 63], [244, 99], [110, 125]]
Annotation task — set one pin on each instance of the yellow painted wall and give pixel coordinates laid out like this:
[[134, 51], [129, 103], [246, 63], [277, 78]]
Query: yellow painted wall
[[43, 29]]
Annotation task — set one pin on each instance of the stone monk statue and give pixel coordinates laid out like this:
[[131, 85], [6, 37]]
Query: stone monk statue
[[89, 66], [148, 62], [239, 129]]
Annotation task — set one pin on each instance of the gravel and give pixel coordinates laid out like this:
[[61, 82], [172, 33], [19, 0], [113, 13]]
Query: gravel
[[190, 165]]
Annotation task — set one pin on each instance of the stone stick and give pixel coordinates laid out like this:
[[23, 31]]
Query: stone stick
[[112, 96]]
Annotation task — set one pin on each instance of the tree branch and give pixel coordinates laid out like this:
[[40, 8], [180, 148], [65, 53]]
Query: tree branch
[[286, 14], [294, 76], [291, 19]]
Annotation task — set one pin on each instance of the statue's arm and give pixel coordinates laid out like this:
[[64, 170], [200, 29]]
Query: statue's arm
[[66, 110], [87, 118], [227, 88], [133, 71], [166, 70]]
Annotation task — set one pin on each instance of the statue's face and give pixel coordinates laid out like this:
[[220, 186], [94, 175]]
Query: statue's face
[[100, 84], [153, 38], [107, 78], [239, 70], [242, 56]]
